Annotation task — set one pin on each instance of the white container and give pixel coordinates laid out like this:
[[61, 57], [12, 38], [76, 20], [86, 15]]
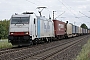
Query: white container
[[80, 30], [69, 29], [77, 29]]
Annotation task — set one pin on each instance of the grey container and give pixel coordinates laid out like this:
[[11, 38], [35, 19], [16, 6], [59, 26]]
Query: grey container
[[83, 30], [73, 29], [77, 29]]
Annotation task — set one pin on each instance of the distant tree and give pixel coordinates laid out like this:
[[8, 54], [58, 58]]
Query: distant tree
[[4, 28], [84, 26], [1, 31]]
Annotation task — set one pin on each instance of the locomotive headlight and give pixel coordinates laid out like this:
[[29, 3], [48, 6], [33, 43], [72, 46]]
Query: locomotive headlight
[[27, 33], [12, 33]]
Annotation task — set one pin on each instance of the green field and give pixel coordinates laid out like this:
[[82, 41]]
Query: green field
[[85, 52], [4, 44]]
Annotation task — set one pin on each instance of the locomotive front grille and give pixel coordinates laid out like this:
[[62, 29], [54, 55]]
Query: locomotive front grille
[[19, 38]]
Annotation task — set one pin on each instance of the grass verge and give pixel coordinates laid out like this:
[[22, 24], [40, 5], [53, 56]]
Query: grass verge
[[85, 52], [4, 44]]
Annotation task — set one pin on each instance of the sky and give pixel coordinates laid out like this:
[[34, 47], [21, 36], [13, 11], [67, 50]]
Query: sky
[[73, 11]]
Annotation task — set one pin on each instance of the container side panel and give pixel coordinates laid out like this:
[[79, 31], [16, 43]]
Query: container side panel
[[73, 29], [77, 29], [59, 27], [69, 28]]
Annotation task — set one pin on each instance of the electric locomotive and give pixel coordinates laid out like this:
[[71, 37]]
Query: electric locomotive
[[27, 28]]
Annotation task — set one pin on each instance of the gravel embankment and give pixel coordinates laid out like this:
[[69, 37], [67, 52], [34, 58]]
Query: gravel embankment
[[71, 54]]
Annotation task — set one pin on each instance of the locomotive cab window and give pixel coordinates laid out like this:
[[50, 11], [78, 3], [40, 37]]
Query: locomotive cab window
[[20, 20]]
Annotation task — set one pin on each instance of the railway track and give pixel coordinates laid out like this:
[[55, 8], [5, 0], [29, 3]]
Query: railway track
[[70, 53], [11, 50], [65, 51], [6, 51], [47, 55], [34, 51]]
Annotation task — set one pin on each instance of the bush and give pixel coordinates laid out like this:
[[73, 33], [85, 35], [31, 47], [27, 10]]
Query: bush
[[5, 44]]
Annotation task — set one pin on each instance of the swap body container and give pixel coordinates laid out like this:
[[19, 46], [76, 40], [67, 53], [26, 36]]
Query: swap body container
[[73, 29], [83, 30], [77, 29], [80, 30], [59, 27], [88, 31], [69, 29]]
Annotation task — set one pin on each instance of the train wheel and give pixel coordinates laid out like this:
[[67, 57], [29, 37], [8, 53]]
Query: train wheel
[[47, 40], [35, 42], [50, 39], [31, 42]]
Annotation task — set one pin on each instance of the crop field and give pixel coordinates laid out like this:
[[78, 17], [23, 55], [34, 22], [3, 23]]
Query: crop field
[[4, 44]]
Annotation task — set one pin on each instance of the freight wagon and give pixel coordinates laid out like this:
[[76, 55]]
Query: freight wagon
[[88, 31], [69, 30], [75, 30], [83, 31], [59, 29]]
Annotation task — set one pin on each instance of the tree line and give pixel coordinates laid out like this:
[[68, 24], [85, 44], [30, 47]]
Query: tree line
[[84, 26], [4, 29]]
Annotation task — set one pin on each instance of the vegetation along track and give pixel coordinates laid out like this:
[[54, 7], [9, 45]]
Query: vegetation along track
[[37, 50]]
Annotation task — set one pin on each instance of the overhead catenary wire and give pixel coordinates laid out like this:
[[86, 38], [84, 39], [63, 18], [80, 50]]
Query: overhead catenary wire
[[69, 9], [79, 12], [37, 4], [66, 7], [63, 5], [84, 14], [60, 14], [32, 2]]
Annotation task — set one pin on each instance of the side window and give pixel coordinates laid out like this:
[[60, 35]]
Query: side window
[[34, 20]]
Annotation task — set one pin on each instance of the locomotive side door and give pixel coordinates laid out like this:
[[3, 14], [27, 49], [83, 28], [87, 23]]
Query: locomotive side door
[[35, 27]]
